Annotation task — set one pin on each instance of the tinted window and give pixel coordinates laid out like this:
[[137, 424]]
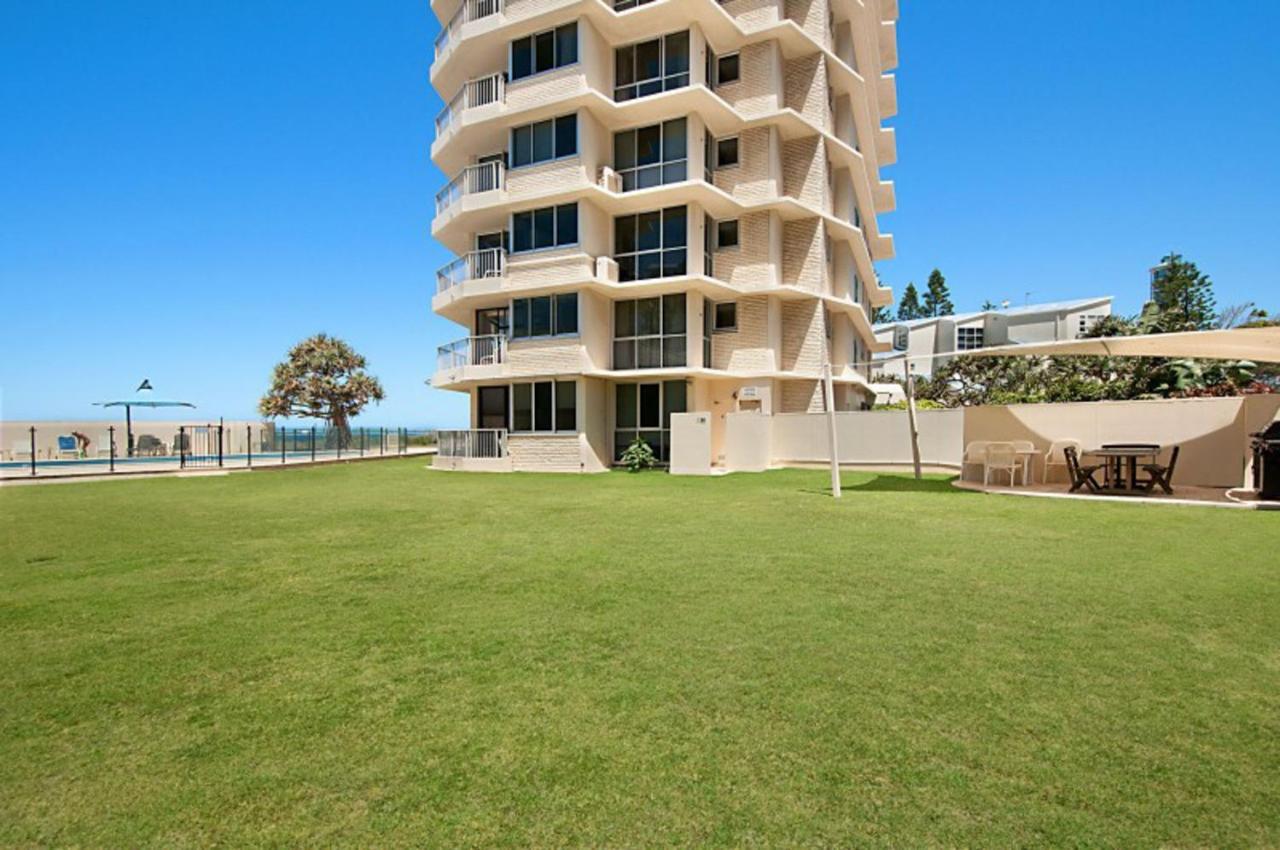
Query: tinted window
[[727, 69], [726, 316], [540, 316], [566, 224], [522, 407], [566, 135], [544, 228], [567, 44], [727, 233], [567, 314], [544, 51], [726, 152], [542, 408], [566, 406], [521, 58]]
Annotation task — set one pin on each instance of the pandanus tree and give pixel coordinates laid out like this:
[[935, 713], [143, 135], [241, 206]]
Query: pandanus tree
[[322, 378]]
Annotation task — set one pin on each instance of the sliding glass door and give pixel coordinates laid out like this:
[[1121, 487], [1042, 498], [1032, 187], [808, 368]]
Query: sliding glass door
[[644, 410]]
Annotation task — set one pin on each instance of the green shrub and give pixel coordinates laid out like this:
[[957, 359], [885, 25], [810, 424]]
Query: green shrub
[[638, 456]]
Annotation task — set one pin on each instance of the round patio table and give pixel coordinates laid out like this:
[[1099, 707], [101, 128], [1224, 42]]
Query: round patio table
[[1121, 458]]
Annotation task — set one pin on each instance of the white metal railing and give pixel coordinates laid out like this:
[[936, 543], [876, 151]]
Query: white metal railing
[[487, 262], [469, 10], [483, 177], [476, 442], [490, 89], [472, 351]]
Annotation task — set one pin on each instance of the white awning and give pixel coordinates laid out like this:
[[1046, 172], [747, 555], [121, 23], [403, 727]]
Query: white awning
[[1261, 345]]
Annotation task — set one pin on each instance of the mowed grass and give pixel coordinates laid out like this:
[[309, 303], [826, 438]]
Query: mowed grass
[[383, 655]]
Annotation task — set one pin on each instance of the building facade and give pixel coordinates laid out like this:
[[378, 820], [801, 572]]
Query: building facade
[[926, 343], [656, 208]]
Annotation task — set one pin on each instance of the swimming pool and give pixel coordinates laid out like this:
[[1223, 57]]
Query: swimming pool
[[102, 465]]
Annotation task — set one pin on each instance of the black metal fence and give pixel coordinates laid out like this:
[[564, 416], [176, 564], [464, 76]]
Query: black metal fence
[[211, 445]]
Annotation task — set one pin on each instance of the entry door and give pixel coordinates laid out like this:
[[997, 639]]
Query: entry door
[[491, 321], [491, 405]]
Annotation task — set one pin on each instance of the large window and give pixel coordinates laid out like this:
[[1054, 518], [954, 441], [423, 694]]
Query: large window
[[544, 141], [651, 156], [644, 411], [649, 333], [544, 406], [624, 5], [968, 339], [651, 244], [649, 67], [549, 227], [543, 51], [546, 315]]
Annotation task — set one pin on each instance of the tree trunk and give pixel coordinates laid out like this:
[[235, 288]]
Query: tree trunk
[[341, 435]]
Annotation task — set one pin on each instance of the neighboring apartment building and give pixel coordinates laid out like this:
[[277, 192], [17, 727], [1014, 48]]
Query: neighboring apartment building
[[657, 207], [928, 341]]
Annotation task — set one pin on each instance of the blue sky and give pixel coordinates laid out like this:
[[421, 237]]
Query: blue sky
[[188, 188]]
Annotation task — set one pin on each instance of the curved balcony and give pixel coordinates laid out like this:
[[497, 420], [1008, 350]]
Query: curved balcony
[[470, 10], [485, 264], [474, 94], [474, 180], [471, 358]]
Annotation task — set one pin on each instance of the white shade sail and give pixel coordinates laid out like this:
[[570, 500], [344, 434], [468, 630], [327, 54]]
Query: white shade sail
[[1261, 345]]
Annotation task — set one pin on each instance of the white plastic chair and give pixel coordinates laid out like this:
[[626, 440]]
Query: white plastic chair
[[1057, 457], [1001, 457], [1026, 452], [975, 454]]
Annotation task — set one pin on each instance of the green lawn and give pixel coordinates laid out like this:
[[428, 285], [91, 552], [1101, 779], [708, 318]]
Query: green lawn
[[381, 655]]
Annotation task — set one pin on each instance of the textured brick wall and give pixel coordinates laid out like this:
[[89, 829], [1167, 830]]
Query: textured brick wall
[[516, 10], [806, 91], [753, 14], [812, 17], [804, 171], [748, 347], [748, 265], [803, 336], [752, 179], [547, 268], [526, 184], [554, 85], [545, 356], [756, 90], [545, 453], [804, 254], [802, 397]]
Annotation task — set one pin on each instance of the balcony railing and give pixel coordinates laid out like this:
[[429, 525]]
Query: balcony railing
[[472, 351], [488, 262], [485, 90], [474, 443], [484, 177], [470, 10]]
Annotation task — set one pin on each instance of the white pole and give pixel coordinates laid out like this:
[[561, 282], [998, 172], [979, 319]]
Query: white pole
[[829, 392], [911, 422]]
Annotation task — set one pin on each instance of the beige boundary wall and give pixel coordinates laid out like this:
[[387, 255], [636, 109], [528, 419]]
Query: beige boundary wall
[[1213, 432], [868, 437]]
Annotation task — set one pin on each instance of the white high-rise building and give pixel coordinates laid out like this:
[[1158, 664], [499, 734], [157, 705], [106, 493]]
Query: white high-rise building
[[656, 207]]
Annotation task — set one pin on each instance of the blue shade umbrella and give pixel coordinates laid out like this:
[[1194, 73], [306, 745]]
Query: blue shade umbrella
[[142, 397]]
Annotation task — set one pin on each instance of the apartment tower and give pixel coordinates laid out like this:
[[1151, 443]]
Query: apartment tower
[[656, 208]]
